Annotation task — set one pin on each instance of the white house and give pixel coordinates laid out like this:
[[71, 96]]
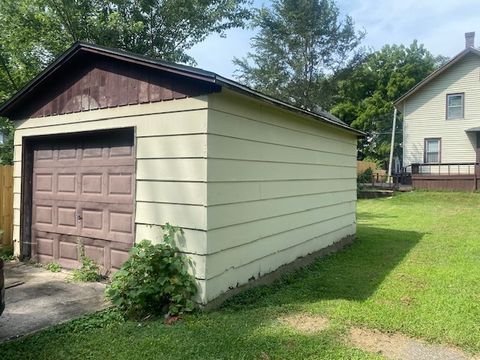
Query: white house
[[441, 141]]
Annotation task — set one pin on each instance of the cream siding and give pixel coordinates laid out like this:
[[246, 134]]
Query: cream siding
[[171, 149], [425, 115], [254, 187], [280, 186]]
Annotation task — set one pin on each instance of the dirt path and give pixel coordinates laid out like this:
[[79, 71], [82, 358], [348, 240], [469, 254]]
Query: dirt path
[[391, 346], [397, 346]]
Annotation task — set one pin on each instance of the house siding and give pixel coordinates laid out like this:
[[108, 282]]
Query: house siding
[[280, 186], [171, 162], [425, 115]]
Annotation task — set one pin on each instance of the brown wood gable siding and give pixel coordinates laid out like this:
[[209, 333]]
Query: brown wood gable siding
[[106, 84]]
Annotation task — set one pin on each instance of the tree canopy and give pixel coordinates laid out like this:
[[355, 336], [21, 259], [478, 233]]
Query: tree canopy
[[34, 32], [304, 53], [366, 95], [300, 44]]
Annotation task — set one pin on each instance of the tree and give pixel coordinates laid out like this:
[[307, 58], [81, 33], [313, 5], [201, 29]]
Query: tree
[[34, 32], [157, 28], [300, 44], [20, 59], [366, 96]]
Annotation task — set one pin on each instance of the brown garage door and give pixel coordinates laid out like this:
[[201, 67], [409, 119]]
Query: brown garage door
[[83, 191]]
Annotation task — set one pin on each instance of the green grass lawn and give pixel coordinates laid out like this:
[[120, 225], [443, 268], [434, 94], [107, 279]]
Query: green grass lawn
[[414, 269]]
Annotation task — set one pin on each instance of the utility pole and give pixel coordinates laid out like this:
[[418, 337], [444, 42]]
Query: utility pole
[[392, 145]]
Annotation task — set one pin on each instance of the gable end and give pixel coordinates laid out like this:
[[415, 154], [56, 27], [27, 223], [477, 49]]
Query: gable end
[[90, 82]]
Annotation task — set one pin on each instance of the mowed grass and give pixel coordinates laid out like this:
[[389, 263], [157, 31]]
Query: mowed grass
[[414, 269]]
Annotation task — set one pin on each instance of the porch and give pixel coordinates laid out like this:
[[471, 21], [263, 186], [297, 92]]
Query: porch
[[445, 176]]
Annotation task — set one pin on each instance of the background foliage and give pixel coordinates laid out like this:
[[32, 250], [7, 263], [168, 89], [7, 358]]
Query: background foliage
[[305, 52], [299, 46], [34, 32], [365, 98]]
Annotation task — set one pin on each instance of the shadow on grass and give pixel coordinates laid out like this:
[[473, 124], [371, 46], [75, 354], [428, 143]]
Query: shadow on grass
[[243, 328], [353, 273], [248, 334]]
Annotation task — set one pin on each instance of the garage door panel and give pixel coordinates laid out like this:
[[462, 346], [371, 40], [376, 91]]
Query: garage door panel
[[43, 154], [44, 259], [43, 182], [67, 217], [67, 183], [43, 214], [83, 190], [120, 184], [91, 183], [66, 153], [120, 224], [45, 246], [96, 253], [118, 257], [68, 251], [93, 219], [123, 151], [93, 152]]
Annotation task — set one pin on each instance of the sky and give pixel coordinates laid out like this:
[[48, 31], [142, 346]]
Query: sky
[[438, 24]]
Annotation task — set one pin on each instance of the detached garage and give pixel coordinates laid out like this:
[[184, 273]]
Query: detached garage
[[109, 145]]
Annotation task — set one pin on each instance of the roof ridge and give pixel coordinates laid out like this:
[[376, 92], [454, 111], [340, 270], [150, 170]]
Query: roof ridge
[[181, 69], [436, 73]]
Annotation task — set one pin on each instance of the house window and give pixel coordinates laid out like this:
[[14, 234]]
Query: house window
[[455, 106], [432, 151]]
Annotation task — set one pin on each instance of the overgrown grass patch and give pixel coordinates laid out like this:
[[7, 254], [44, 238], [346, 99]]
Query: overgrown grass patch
[[414, 269]]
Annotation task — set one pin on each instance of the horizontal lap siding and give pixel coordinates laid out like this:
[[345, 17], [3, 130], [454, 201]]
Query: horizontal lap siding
[[220, 216], [241, 274], [171, 166], [221, 193], [425, 112], [279, 187], [295, 230]]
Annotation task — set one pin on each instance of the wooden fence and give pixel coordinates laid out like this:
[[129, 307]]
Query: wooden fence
[[378, 175], [6, 204], [364, 165]]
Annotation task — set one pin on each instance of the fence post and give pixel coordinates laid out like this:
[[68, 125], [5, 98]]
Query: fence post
[[6, 204]]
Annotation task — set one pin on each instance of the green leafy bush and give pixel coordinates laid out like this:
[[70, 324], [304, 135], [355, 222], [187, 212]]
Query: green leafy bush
[[365, 176], [89, 271], [154, 280], [6, 252], [53, 267]]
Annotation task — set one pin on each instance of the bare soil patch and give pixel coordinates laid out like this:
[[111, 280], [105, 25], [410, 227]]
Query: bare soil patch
[[305, 323], [396, 346]]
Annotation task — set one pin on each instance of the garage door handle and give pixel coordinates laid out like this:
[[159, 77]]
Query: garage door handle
[[79, 217]]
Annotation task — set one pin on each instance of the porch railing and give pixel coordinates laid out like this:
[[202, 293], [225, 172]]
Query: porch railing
[[444, 169]]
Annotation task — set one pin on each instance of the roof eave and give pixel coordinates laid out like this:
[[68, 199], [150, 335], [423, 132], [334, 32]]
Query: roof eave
[[38, 79], [398, 103], [246, 90], [183, 70]]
